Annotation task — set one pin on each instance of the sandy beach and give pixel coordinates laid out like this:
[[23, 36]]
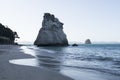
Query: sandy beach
[[10, 71], [25, 71]]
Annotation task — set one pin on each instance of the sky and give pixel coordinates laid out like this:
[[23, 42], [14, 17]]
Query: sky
[[98, 20]]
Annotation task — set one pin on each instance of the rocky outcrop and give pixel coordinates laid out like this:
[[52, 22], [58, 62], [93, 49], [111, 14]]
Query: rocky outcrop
[[75, 44], [51, 33], [88, 41], [7, 36]]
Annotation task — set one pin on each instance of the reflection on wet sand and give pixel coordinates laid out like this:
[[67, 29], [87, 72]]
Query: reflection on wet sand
[[49, 62], [40, 60]]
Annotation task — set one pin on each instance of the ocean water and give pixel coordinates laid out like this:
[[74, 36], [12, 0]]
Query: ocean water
[[95, 58]]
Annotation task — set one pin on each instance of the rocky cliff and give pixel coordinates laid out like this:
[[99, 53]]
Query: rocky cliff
[[7, 36], [51, 33]]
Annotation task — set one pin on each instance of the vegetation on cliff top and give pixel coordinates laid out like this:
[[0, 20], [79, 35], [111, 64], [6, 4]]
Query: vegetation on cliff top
[[7, 36]]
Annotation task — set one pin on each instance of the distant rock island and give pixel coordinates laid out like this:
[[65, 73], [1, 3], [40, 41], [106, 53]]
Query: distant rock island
[[51, 33], [87, 41], [7, 36]]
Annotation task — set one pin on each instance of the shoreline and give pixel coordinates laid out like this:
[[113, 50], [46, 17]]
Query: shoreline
[[10, 71], [29, 71]]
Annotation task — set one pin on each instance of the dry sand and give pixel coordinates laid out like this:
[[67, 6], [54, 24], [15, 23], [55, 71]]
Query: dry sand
[[18, 72]]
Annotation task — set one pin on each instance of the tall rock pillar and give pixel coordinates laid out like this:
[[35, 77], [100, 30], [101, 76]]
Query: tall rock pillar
[[51, 33]]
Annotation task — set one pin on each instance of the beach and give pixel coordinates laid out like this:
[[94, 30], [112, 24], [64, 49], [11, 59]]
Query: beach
[[28, 62], [10, 71], [59, 40]]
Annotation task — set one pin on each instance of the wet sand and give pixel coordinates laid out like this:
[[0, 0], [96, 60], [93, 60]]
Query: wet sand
[[29, 71], [10, 71]]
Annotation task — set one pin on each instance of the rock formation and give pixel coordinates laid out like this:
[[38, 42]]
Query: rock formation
[[51, 33], [74, 44], [7, 36], [87, 41]]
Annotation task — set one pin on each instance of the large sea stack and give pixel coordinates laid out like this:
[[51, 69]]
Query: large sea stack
[[51, 33]]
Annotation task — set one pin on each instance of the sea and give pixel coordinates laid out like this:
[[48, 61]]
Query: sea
[[76, 61]]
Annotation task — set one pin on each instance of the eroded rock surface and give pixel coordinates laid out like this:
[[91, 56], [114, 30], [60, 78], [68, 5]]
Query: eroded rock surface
[[51, 33]]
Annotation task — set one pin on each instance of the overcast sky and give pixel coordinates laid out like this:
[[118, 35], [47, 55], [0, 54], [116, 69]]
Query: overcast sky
[[98, 20]]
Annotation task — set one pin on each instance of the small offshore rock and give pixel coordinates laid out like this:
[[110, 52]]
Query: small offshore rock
[[87, 41], [75, 45]]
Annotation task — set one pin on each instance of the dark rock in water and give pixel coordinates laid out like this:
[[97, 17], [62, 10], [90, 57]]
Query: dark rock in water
[[88, 41], [51, 33], [7, 36], [75, 45]]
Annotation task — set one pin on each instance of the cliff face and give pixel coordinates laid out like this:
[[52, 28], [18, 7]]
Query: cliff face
[[7, 36], [51, 33]]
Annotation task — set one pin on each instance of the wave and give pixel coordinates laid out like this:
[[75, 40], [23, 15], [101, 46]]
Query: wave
[[101, 58], [113, 72]]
